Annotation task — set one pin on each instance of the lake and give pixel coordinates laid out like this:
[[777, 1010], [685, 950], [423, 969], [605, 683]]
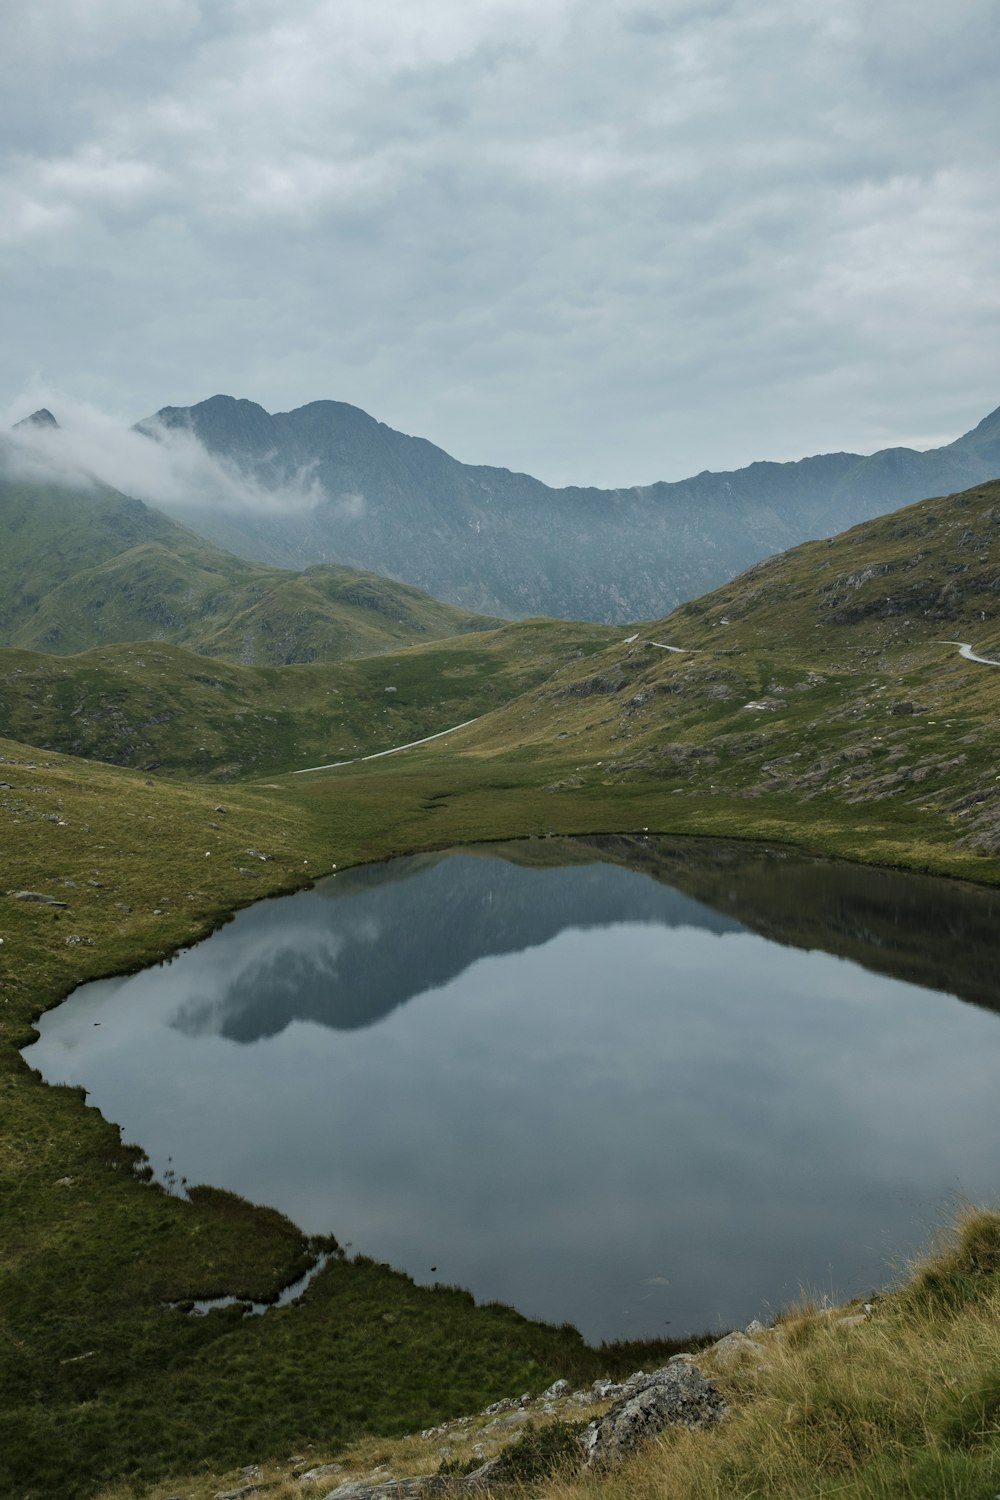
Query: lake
[[644, 1086]]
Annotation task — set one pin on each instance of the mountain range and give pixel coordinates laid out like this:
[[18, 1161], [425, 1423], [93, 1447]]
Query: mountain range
[[83, 565], [821, 699], [499, 542]]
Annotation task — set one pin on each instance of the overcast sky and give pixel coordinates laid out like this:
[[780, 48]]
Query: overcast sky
[[605, 241]]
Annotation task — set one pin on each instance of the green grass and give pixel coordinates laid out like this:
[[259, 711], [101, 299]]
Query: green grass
[[102, 1383], [903, 1404], [100, 1380], [156, 1392], [85, 567], [160, 707]]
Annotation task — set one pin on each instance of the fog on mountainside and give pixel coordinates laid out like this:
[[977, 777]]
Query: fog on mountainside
[[85, 565], [496, 541], [85, 446]]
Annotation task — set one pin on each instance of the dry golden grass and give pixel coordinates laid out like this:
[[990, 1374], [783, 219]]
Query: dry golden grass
[[902, 1402], [905, 1403]]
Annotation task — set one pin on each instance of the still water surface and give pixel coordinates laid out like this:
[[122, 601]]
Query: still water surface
[[597, 1092]]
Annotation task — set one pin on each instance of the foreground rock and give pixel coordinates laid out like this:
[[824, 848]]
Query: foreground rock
[[38, 897], [676, 1395], [416, 1487]]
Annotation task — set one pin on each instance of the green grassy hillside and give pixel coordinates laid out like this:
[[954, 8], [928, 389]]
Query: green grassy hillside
[[100, 1380], [818, 706], [163, 708], [83, 566], [817, 693]]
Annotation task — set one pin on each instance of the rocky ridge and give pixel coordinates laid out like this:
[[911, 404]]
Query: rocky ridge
[[501, 542]]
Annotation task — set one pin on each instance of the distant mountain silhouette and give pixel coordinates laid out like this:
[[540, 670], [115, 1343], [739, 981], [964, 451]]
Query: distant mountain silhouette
[[40, 418], [496, 541]]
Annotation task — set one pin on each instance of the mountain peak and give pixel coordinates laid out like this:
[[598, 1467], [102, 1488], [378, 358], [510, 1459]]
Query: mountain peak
[[40, 418], [986, 434]]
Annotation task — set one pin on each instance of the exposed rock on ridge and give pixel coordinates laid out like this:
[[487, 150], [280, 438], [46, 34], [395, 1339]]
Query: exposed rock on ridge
[[501, 542]]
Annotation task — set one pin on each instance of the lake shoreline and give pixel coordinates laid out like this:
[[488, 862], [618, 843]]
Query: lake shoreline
[[143, 845]]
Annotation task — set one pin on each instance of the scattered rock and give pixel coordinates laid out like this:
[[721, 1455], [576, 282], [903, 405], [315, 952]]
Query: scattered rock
[[38, 897], [480, 1478], [556, 1389], [382, 1489], [244, 1489], [509, 1419], [676, 1394], [75, 941], [257, 854], [123, 906], [506, 1403], [731, 1351]]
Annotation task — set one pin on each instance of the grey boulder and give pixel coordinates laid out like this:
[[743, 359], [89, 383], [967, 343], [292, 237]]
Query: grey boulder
[[676, 1395]]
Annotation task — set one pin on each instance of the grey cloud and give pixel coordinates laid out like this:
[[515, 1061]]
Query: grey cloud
[[605, 243]]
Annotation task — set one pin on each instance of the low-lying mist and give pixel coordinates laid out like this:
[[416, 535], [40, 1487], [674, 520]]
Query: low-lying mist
[[161, 465]]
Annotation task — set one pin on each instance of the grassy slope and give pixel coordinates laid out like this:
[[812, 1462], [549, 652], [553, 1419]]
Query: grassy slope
[[87, 567], [161, 1394], [99, 1380], [157, 1393], [905, 1404], [158, 706], [819, 702]]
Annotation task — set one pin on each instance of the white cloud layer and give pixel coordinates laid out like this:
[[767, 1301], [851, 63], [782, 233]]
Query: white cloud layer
[[172, 468], [605, 242]]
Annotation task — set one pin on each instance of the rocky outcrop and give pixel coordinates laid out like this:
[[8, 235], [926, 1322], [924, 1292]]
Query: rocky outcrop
[[417, 1486], [677, 1395]]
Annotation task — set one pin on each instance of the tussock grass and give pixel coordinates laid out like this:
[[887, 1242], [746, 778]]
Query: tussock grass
[[905, 1403], [98, 1389], [902, 1403]]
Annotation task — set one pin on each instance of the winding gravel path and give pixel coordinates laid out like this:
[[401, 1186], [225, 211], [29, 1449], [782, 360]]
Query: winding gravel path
[[333, 764], [964, 649]]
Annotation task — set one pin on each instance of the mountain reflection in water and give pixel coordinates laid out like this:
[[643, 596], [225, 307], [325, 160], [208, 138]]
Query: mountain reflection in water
[[373, 938], [577, 1075]]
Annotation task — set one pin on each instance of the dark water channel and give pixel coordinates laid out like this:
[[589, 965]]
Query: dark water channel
[[643, 1086]]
